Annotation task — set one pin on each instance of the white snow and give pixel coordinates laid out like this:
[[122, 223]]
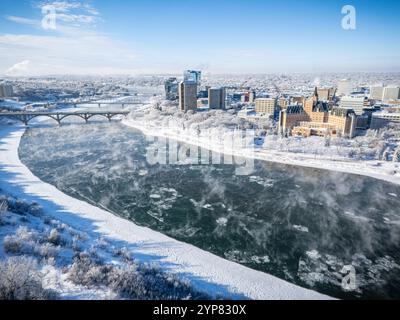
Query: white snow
[[206, 271], [54, 279], [382, 170]]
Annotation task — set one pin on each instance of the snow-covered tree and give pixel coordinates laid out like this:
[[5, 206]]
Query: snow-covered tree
[[21, 280], [396, 155], [3, 206], [385, 155], [328, 140]]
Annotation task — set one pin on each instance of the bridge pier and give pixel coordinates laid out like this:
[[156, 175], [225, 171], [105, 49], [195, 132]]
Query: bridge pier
[[25, 120]]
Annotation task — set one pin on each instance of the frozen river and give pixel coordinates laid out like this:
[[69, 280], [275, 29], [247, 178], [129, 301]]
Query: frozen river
[[302, 225]]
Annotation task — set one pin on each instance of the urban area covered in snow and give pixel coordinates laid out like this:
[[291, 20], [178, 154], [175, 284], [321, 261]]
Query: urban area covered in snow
[[204, 156], [340, 122]]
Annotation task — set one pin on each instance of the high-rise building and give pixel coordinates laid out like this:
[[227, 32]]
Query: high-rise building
[[216, 98], [344, 88], [171, 89], [358, 104], [187, 96], [384, 93], [192, 76], [266, 105], [326, 94], [248, 96], [391, 93], [6, 90], [376, 92], [252, 96]]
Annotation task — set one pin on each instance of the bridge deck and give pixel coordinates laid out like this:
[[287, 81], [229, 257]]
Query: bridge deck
[[62, 113], [103, 102], [26, 116]]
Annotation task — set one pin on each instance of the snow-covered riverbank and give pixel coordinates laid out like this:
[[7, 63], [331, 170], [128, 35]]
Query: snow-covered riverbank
[[206, 271], [382, 170]]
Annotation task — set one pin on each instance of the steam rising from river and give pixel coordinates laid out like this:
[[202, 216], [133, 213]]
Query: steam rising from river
[[300, 224]]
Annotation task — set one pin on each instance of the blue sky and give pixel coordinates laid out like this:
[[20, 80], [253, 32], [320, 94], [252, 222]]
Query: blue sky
[[218, 36]]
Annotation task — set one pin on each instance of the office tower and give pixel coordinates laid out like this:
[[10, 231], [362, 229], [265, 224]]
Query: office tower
[[266, 105], [391, 93], [344, 88], [248, 96], [252, 96], [192, 76], [325, 94], [355, 103], [171, 89], [187, 96], [216, 98], [376, 92], [6, 90]]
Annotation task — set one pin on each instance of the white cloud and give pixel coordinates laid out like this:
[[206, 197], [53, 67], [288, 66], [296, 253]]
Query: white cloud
[[19, 69], [66, 6], [73, 48], [72, 12], [25, 21], [87, 54], [76, 18]]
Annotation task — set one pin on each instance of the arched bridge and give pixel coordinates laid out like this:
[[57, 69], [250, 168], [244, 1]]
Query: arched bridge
[[99, 103], [25, 117]]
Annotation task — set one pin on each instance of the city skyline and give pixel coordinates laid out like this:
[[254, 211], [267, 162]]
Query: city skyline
[[104, 38]]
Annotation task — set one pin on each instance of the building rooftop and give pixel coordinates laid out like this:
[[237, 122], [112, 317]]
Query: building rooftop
[[294, 109], [321, 107], [386, 114]]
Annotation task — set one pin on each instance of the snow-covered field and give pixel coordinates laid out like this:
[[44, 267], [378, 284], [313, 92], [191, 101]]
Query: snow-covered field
[[307, 152], [204, 270]]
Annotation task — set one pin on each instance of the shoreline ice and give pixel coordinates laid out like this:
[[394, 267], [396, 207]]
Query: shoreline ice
[[205, 270], [361, 167]]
